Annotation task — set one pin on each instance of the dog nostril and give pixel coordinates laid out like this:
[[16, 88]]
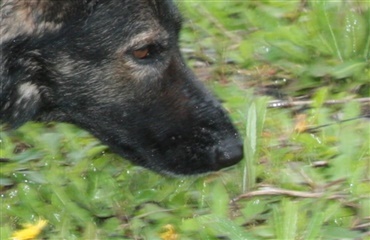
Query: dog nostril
[[228, 153]]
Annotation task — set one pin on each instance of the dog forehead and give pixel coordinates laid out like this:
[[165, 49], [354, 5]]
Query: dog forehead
[[166, 7], [165, 11], [134, 22]]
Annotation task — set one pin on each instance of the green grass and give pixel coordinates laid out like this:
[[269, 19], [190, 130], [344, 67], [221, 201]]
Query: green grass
[[310, 184]]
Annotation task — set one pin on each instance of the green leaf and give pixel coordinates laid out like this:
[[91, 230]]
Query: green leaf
[[286, 220], [348, 69], [224, 227]]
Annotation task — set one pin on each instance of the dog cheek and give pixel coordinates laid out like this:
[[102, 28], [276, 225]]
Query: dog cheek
[[26, 103]]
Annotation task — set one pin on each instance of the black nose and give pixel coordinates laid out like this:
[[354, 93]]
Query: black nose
[[228, 153]]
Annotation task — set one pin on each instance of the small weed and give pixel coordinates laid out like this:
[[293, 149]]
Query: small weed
[[306, 170]]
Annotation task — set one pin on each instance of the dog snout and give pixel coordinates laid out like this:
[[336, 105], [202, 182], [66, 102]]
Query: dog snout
[[227, 153]]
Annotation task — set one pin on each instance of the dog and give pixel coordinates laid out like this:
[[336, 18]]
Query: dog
[[113, 68]]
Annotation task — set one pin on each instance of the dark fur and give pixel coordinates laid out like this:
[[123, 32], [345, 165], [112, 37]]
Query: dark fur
[[73, 61]]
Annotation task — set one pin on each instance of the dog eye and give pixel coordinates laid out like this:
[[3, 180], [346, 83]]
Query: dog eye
[[141, 53], [148, 51]]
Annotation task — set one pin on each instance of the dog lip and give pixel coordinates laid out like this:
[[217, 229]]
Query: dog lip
[[227, 153]]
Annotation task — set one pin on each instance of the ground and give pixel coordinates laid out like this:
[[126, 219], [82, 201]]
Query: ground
[[294, 76]]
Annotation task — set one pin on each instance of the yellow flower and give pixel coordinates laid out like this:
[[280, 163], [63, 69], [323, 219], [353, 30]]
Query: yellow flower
[[169, 233], [30, 231], [301, 123]]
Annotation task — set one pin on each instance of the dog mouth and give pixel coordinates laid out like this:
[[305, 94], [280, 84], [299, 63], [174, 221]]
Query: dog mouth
[[186, 158]]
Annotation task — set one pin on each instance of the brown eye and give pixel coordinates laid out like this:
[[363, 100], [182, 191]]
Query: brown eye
[[141, 53]]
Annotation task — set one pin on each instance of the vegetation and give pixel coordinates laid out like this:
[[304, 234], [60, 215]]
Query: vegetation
[[306, 172]]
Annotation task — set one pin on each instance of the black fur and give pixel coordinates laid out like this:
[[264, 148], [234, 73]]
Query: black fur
[[74, 61]]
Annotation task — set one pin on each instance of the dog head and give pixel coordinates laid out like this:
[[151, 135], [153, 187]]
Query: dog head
[[114, 68]]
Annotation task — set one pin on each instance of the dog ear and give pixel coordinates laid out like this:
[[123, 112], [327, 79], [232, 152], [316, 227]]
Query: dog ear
[[20, 94]]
